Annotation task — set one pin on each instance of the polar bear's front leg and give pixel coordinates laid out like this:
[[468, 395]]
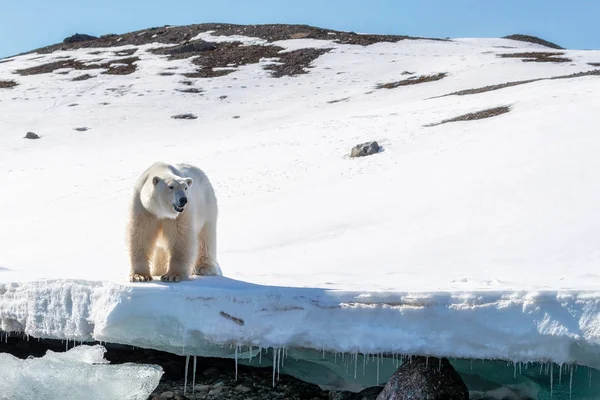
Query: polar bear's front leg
[[142, 235], [183, 251]]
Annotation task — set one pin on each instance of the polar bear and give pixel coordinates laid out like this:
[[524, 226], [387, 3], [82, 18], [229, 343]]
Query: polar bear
[[172, 224]]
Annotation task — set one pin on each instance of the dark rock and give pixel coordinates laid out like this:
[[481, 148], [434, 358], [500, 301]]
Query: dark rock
[[79, 37], [236, 116], [426, 379], [191, 47], [367, 394], [184, 116], [533, 39], [365, 149], [7, 84], [190, 90], [32, 135], [82, 129], [83, 77]]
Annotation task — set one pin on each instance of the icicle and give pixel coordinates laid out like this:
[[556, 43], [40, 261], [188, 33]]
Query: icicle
[[194, 377], [560, 374], [471, 364], [274, 365], [355, 363], [278, 363], [187, 364], [260, 355], [377, 383], [426, 362], [551, 378], [515, 370], [590, 377], [439, 365], [249, 353], [571, 381], [364, 363], [236, 362]]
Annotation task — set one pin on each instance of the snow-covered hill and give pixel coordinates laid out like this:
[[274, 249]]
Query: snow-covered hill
[[477, 238]]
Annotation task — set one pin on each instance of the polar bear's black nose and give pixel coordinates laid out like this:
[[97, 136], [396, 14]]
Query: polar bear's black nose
[[182, 201]]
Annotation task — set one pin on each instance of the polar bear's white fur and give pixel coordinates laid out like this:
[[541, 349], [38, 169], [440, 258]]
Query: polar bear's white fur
[[172, 227]]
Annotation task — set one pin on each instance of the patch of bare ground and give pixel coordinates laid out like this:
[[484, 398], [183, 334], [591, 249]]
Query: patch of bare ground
[[537, 56], [295, 62], [488, 113], [6, 61], [594, 64], [7, 84], [338, 100], [83, 77], [595, 72], [124, 66], [219, 59], [533, 39], [181, 34], [127, 52], [412, 81]]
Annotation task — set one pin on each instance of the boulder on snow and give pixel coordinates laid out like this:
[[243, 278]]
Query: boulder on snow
[[79, 37], [365, 149], [426, 379], [184, 116], [31, 135]]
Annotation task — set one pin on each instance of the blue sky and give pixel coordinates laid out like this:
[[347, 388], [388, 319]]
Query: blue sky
[[26, 25]]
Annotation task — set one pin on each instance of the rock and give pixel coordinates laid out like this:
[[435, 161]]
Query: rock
[[82, 129], [367, 394], [202, 388], [79, 37], [242, 389], [214, 392], [32, 135], [365, 149], [192, 47], [167, 395], [370, 393], [426, 379], [184, 116]]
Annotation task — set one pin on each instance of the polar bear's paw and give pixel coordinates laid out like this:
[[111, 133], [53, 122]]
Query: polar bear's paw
[[173, 277], [140, 278], [207, 270]]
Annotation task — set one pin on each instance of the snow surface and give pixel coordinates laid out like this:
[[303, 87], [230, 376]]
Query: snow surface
[[79, 373], [475, 239]]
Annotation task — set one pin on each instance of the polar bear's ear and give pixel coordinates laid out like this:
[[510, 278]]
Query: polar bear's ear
[[155, 180], [189, 181]]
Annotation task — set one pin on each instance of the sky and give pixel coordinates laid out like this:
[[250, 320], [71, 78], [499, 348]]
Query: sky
[[28, 24]]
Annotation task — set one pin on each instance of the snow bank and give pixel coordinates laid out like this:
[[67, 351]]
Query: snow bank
[[80, 373], [208, 315]]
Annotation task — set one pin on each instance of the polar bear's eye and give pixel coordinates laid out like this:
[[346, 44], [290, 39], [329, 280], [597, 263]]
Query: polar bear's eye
[[171, 187]]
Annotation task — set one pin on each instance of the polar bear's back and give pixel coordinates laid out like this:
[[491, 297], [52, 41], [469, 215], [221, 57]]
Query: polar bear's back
[[201, 187]]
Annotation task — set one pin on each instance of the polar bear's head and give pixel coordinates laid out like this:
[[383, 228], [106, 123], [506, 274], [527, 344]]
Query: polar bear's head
[[166, 197]]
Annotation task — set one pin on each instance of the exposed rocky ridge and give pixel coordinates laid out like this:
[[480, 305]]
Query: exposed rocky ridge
[[533, 39], [180, 34]]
